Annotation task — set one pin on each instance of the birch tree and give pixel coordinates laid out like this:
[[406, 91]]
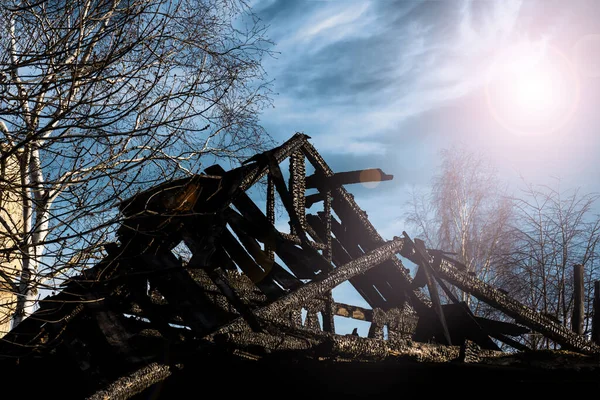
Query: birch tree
[[465, 213], [102, 98]]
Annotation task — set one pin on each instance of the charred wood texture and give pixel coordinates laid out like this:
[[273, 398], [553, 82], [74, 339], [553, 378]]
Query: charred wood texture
[[260, 165], [578, 297], [348, 311], [431, 285], [297, 187], [596, 314], [128, 386], [182, 292], [270, 213], [520, 312], [340, 257], [329, 281], [345, 178], [357, 221], [142, 313], [265, 342]]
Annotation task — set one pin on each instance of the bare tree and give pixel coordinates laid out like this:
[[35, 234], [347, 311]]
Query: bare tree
[[555, 229], [466, 213], [100, 98]]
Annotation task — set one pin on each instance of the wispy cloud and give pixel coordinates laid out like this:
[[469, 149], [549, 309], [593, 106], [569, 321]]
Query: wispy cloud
[[342, 23], [363, 68]]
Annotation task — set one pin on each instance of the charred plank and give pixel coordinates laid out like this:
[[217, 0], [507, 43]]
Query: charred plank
[[522, 313], [319, 180], [328, 282]]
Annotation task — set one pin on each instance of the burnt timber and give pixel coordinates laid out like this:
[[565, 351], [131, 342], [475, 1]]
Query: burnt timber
[[255, 303]]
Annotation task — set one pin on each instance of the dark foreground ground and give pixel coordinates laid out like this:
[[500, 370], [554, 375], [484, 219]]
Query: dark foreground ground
[[348, 380], [226, 376]]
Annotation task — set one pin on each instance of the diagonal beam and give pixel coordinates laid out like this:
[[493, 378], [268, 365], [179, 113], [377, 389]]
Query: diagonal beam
[[419, 246], [515, 309], [343, 202], [321, 287], [260, 168], [341, 257], [511, 342]]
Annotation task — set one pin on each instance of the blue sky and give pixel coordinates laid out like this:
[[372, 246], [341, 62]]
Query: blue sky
[[389, 84]]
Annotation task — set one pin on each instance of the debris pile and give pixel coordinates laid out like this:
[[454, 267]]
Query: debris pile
[[251, 298]]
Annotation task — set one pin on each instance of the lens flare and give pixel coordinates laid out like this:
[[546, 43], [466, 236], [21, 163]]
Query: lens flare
[[587, 56], [532, 88]]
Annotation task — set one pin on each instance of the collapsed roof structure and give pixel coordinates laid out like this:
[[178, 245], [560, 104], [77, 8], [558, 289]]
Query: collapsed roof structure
[[142, 317]]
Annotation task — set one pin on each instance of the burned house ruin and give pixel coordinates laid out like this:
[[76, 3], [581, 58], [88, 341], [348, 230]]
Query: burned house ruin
[[143, 323]]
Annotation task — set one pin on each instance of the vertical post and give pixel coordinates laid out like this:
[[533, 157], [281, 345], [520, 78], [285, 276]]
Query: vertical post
[[270, 213], [596, 314], [327, 208], [578, 295], [328, 320], [297, 187]]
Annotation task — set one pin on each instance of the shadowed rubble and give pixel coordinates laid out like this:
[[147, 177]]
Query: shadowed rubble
[[143, 322]]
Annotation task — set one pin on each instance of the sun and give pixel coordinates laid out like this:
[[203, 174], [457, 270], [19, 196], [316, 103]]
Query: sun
[[532, 88]]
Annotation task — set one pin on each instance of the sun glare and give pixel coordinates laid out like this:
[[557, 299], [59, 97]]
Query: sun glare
[[532, 88]]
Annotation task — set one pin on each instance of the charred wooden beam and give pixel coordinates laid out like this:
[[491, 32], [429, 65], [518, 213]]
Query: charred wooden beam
[[470, 324], [247, 264], [596, 314], [328, 313], [326, 218], [320, 344], [298, 228], [511, 342], [319, 180], [296, 240], [375, 331], [250, 341], [134, 383], [322, 286], [303, 264], [312, 321], [47, 325], [355, 347], [340, 193], [328, 320], [235, 300], [480, 328], [579, 299], [356, 224], [381, 278], [159, 316], [270, 213], [182, 292], [297, 187], [196, 244], [341, 257], [355, 312], [520, 312], [419, 245], [260, 169], [345, 207], [311, 199], [257, 225], [494, 327], [270, 267], [115, 334]]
